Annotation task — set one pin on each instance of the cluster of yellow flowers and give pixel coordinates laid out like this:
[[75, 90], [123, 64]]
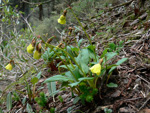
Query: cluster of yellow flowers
[[37, 52]]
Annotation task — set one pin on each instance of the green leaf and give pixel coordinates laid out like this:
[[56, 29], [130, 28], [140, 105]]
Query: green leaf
[[1, 111], [71, 109], [106, 110], [121, 44], [77, 73], [34, 80], [91, 47], [29, 91], [121, 61], [51, 88], [92, 55], [84, 56], [65, 67], [39, 75], [84, 67], [76, 99], [68, 74], [110, 55], [112, 85], [24, 100], [26, 60], [112, 46], [80, 41], [48, 54], [118, 63], [9, 101], [70, 51], [83, 60], [74, 84], [81, 79], [75, 49], [86, 78], [104, 53], [110, 66], [29, 108], [57, 78]]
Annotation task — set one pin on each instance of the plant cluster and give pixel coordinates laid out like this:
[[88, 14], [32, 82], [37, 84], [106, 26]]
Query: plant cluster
[[84, 71]]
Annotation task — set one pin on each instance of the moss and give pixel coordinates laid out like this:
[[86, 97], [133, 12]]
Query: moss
[[146, 60]]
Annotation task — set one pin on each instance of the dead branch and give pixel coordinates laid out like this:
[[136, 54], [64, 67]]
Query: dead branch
[[110, 9], [120, 5], [137, 20], [31, 3]]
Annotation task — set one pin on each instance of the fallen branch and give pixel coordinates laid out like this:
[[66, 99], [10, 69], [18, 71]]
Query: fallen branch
[[111, 8], [123, 4], [137, 20]]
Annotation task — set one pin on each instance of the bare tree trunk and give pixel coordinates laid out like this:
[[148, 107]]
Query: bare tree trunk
[[48, 10], [53, 5], [41, 12]]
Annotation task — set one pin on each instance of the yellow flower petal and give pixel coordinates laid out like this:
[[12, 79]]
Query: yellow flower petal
[[36, 55], [9, 67], [30, 49], [62, 19], [96, 69]]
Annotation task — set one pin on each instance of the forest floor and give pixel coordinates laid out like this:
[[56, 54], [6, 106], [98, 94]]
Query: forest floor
[[132, 95], [132, 26]]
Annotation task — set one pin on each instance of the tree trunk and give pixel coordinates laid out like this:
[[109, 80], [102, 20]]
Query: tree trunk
[[41, 12], [48, 10], [53, 5]]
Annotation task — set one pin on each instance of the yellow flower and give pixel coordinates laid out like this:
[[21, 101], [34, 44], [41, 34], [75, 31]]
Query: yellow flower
[[30, 49], [9, 67], [62, 19], [37, 55], [96, 69]]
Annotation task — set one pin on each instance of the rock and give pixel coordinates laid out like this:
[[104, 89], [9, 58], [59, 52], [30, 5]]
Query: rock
[[116, 94]]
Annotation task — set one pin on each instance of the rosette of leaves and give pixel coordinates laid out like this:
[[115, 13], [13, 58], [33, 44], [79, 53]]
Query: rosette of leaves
[[80, 79]]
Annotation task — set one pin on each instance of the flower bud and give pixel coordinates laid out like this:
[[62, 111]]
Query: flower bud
[[37, 53], [62, 19], [100, 61], [49, 40], [65, 12], [30, 48], [10, 65]]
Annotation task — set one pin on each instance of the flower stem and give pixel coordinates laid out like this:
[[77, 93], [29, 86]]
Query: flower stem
[[84, 31]]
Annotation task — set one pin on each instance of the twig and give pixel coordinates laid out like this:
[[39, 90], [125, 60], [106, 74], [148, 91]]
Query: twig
[[143, 79], [140, 53], [144, 103], [137, 20]]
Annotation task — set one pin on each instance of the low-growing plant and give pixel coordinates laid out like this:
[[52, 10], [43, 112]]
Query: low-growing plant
[[84, 68], [115, 48], [85, 71], [41, 100]]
